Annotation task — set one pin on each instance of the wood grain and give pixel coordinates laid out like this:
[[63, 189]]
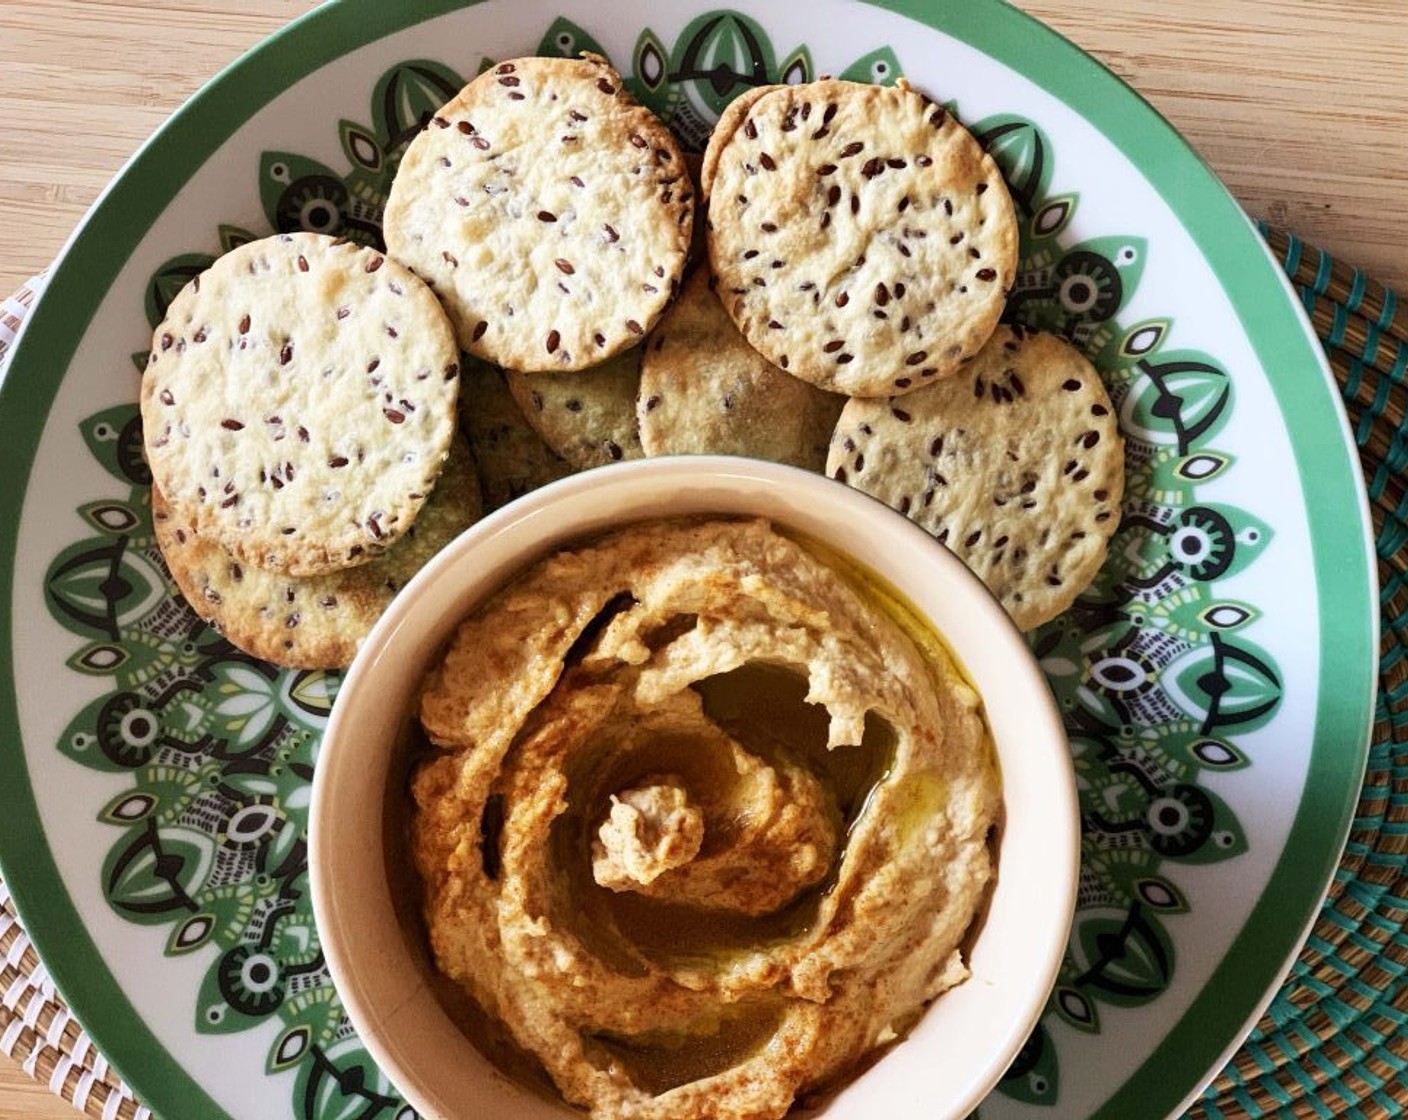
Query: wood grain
[[23, 1098], [1300, 106]]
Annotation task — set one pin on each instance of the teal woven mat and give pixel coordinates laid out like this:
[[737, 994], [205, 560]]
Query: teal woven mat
[[1334, 1041]]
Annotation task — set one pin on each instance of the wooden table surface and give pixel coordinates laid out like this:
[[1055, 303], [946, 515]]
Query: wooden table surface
[[1301, 107]]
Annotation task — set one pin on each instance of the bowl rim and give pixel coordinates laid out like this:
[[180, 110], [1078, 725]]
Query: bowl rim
[[530, 526]]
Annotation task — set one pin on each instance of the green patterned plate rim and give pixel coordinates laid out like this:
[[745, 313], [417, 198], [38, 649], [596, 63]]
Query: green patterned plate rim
[[1335, 521]]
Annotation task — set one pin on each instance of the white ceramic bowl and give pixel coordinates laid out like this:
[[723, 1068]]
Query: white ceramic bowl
[[966, 1039]]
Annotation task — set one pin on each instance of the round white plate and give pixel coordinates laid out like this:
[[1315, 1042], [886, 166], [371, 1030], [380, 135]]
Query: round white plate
[[1217, 681]]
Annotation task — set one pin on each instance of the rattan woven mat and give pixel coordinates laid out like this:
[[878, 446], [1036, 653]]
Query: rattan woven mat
[[1333, 1043]]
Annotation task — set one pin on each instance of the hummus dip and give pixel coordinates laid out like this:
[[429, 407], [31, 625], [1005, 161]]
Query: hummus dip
[[701, 825]]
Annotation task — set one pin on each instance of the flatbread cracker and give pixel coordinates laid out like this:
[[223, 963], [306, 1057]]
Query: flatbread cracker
[[587, 417], [727, 124], [704, 390], [512, 458], [299, 402], [862, 238], [1016, 464], [312, 622], [550, 211]]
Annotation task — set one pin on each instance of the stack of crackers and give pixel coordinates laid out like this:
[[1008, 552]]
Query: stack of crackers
[[305, 396]]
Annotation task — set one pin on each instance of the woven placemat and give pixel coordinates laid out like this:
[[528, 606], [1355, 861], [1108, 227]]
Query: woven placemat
[[38, 1031], [1333, 1043]]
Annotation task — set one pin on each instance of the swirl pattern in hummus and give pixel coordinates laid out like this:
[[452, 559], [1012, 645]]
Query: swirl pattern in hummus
[[704, 826]]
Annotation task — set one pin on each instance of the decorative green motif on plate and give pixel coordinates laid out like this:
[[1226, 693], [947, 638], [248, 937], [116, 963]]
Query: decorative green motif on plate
[[220, 746], [1152, 667]]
